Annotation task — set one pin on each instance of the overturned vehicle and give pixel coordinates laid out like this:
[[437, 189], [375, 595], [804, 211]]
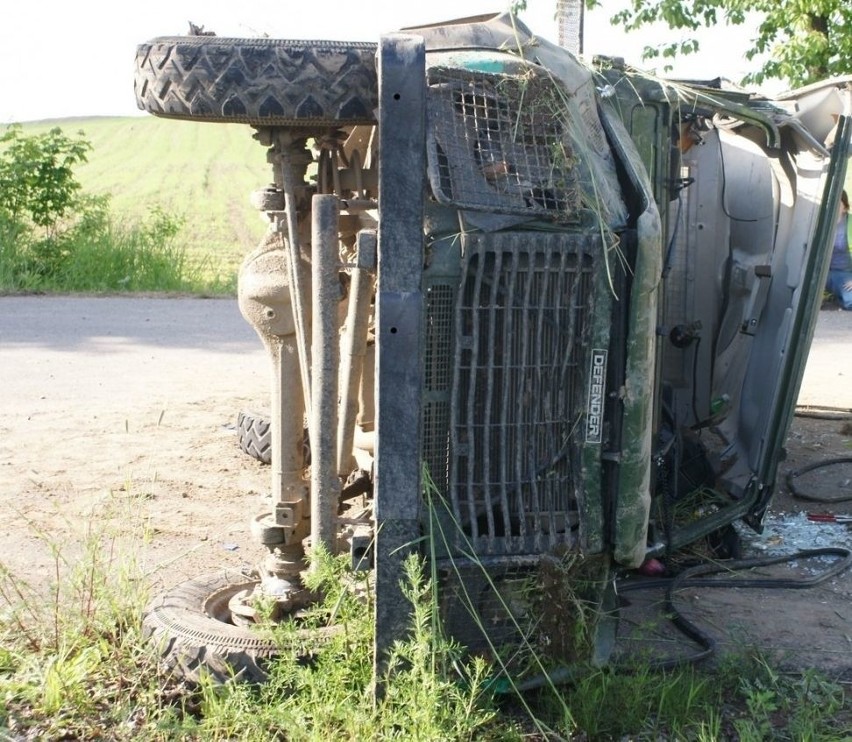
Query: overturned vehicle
[[536, 322]]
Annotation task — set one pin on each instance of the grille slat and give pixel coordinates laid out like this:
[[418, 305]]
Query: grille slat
[[543, 368], [473, 439], [524, 400], [508, 442], [489, 393]]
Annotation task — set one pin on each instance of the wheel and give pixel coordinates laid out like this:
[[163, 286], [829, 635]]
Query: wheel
[[268, 82], [191, 628], [254, 436]]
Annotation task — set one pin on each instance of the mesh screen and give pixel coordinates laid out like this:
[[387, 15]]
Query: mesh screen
[[436, 381], [500, 143]]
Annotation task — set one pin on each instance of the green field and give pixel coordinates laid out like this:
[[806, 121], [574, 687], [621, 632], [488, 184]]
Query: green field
[[200, 172]]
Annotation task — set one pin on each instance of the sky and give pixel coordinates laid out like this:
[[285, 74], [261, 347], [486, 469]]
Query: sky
[[61, 58]]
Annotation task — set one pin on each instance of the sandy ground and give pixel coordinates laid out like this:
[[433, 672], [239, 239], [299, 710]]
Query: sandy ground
[[126, 407], [828, 375]]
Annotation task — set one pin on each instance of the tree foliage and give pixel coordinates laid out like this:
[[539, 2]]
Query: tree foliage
[[805, 40], [37, 182]]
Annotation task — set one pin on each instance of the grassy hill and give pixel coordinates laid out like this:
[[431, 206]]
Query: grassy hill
[[200, 172]]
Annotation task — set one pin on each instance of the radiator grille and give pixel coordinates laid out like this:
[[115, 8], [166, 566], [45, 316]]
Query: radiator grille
[[507, 459], [500, 143]]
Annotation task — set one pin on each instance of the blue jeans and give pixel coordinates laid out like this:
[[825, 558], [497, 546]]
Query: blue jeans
[[839, 283]]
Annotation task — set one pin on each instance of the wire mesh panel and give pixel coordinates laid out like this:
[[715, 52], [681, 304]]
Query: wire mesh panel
[[518, 390], [437, 375], [500, 143]]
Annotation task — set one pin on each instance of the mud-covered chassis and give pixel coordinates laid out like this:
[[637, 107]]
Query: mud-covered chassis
[[292, 289], [583, 303]]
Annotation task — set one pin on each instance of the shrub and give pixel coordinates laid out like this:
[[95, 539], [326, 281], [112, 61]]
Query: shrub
[[37, 183], [53, 237]]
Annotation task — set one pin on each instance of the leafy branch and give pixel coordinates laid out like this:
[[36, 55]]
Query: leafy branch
[[803, 40]]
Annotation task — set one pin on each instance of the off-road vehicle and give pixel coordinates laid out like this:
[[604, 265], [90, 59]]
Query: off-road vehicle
[[536, 321]]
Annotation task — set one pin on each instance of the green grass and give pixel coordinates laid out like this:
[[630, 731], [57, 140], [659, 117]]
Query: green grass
[[97, 254], [200, 173], [75, 666]]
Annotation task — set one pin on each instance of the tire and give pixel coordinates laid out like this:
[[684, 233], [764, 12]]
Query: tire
[[189, 627], [254, 436], [267, 82]]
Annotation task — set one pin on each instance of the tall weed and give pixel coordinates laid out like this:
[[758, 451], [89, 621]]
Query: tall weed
[[92, 252], [73, 664]]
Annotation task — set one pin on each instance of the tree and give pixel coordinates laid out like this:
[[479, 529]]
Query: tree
[[37, 181], [806, 40]]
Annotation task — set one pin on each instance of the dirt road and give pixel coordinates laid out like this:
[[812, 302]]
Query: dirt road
[[828, 375], [127, 406], [114, 401]]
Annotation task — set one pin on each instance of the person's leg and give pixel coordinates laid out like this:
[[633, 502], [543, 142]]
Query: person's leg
[[846, 293], [840, 284]]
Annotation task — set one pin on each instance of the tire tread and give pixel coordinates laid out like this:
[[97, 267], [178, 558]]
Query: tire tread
[[270, 82], [255, 436]]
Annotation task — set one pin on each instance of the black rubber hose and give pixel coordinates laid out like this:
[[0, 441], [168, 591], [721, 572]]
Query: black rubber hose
[[796, 473], [690, 578]]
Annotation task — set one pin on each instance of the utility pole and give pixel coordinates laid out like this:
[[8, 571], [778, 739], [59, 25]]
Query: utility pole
[[569, 20]]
